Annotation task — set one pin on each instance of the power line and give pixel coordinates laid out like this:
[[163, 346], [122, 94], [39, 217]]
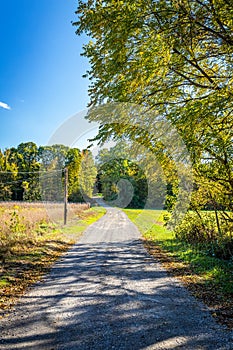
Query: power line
[[31, 172]]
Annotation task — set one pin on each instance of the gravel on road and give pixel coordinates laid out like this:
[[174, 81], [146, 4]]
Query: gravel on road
[[108, 293]]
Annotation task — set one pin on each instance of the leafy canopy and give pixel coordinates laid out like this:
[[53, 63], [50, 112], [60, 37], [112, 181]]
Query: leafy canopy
[[174, 57]]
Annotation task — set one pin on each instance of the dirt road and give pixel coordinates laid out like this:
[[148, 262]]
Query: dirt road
[[108, 293]]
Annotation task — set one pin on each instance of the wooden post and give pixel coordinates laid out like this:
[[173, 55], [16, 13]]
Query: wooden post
[[65, 194]]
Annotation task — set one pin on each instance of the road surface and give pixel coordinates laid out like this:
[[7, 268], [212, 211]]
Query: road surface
[[108, 293]]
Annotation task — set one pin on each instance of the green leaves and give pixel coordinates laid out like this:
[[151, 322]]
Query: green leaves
[[34, 173], [174, 58], [144, 48]]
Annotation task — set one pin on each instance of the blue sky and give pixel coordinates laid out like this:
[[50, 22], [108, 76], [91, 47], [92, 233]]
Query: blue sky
[[40, 69]]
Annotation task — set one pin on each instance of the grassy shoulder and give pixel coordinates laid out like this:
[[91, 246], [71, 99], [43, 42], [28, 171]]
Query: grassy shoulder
[[27, 263], [208, 278]]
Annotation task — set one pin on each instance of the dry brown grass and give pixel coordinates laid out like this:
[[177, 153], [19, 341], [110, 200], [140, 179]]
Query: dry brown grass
[[23, 222], [32, 254]]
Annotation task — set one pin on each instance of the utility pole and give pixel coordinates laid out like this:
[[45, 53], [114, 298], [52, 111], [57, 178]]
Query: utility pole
[[65, 194]]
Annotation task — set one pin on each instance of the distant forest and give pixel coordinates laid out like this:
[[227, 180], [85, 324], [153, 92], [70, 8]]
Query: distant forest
[[34, 173]]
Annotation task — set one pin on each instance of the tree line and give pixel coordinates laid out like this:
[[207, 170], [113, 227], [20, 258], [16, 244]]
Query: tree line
[[32, 173]]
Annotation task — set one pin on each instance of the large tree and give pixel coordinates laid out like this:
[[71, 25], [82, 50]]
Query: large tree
[[174, 57], [158, 52]]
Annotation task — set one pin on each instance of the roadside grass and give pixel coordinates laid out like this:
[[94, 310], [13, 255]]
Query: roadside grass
[[28, 261], [207, 277]]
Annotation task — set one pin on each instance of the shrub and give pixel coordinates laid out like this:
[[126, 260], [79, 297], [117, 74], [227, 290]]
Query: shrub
[[201, 231], [195, 230]]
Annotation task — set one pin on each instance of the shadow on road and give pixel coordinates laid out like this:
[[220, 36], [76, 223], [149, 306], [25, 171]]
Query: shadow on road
[[110, 296]]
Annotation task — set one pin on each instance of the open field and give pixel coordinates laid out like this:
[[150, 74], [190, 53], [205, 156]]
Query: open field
[[209, 278], [23, 223], [30, 242]]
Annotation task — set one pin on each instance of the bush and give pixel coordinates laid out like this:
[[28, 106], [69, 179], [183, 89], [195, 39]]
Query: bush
[[196, 230], [202, 232]]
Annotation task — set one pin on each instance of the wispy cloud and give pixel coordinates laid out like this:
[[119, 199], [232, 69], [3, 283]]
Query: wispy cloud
[[4, 105]]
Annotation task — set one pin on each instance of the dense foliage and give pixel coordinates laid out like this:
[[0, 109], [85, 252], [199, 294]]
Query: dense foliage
[[34, 173], [174, 58], [126, 180], [122, 181]]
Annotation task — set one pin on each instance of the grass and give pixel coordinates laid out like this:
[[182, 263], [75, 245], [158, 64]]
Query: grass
[[208, 278], [29, 259]]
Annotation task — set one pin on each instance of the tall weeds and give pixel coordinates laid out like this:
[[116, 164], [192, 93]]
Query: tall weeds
[[23, 223]]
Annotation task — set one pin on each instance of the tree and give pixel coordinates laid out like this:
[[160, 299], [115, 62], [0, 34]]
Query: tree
[[158, 52], [53, 157], [25, 157], [87, 174], [8, 176], [175, 58], [53, 160], [73, 163]]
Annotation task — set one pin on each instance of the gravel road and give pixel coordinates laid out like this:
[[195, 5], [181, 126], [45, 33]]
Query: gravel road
[[108, 293]]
